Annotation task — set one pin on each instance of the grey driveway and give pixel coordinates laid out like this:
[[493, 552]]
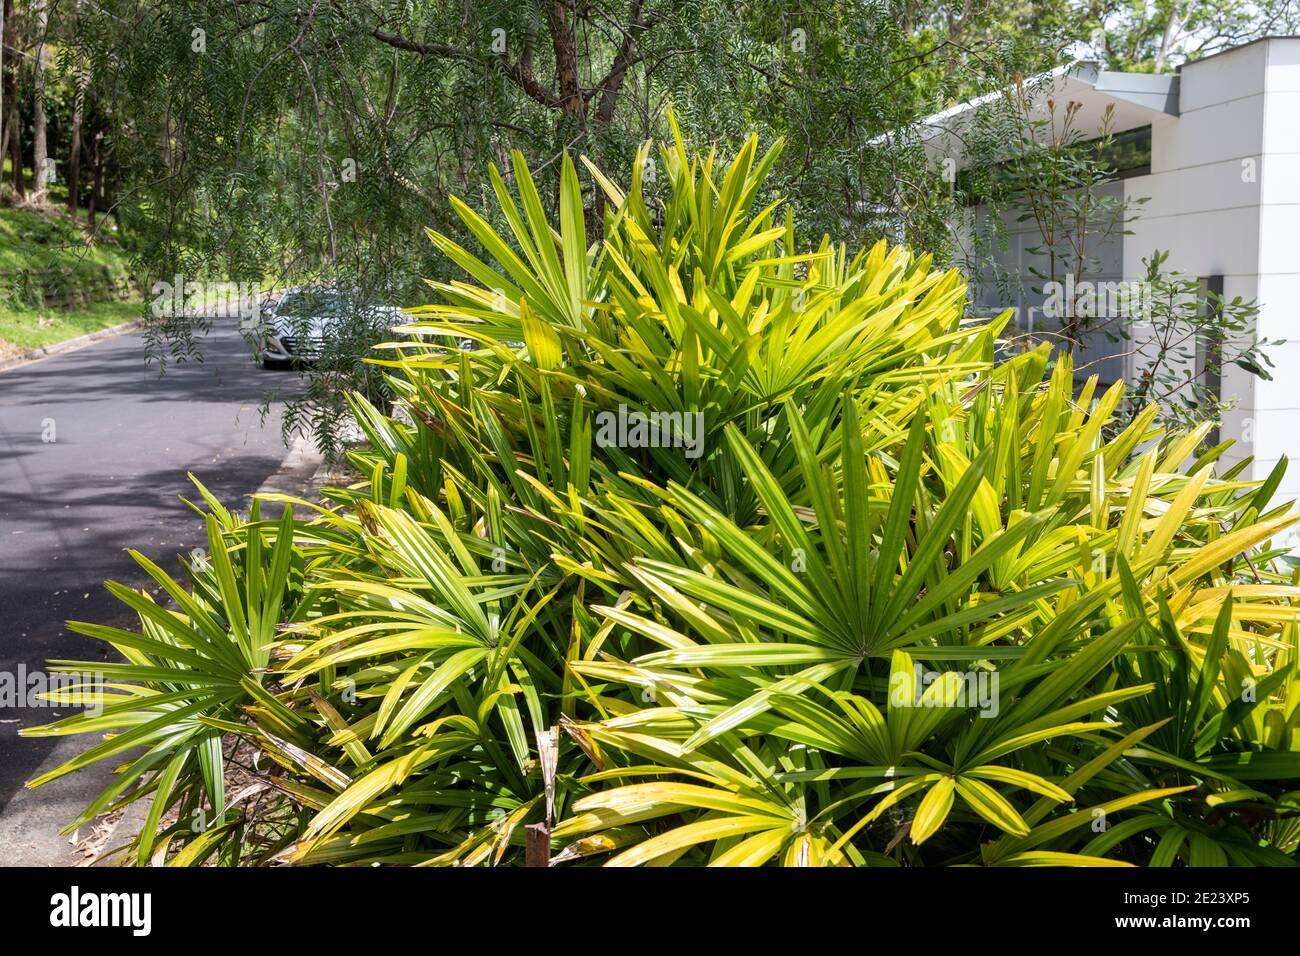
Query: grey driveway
[[111, 478]]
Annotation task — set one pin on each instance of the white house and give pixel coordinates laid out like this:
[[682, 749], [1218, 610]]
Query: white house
[[1223, 197]]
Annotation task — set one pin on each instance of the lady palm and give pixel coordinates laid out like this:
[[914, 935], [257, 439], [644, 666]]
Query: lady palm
[[763, 655]]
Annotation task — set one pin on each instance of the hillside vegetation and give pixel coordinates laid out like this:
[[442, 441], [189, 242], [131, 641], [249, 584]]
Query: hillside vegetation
[[56, 280]]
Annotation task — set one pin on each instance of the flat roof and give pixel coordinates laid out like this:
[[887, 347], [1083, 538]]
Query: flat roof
[[1135, 99], [1233, 49]]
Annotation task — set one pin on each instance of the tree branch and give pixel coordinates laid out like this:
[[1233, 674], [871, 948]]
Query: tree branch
[[564, 43], [624, 60], [521, 73]]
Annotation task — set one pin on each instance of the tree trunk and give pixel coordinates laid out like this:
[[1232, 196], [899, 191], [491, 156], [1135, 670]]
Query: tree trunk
[[40, 150], [97, 184], [40, 155], [1167, 40], [564, 43], [74, 153], [16, 149], [74, 161], [13, 124], [80, 83], [5, 8]]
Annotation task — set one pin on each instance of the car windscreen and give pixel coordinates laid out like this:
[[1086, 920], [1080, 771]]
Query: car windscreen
[[310, 305]]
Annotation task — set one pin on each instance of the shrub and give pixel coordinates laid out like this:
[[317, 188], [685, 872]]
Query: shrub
[[893, 603]]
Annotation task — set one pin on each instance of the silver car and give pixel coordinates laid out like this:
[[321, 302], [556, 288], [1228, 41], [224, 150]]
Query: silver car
[[295, 328]]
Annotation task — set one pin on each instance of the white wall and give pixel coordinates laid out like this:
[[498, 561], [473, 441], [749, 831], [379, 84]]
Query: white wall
[[1277, 403], [1224, 200]]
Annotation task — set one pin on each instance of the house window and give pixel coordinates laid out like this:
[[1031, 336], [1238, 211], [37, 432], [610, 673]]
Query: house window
[[1128, 153]]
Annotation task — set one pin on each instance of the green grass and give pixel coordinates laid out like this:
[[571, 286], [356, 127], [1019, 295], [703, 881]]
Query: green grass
[[33, 242], [22, 329]]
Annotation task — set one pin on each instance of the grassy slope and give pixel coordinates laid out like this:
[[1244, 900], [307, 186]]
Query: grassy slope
[[40, 239], [33, 240]]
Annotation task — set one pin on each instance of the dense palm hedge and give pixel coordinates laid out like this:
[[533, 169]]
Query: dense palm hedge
[[867, 597]]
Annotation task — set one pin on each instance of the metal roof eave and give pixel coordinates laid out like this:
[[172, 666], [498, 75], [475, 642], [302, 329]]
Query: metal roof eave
[[1141, 97], [1157, 92]]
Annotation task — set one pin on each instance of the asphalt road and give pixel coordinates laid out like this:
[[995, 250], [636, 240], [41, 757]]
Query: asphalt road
[[94, 450]]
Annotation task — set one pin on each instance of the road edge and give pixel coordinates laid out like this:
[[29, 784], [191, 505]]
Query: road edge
[[297, 473], [300, 474], [68, 345]]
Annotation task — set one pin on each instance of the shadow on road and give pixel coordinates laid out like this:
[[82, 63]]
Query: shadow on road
[[113, 478]]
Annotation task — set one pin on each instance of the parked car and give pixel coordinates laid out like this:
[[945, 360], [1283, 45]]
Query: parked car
[[295, 328]]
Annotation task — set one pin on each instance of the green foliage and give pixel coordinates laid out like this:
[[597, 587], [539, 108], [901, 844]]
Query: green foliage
[[760, 655], [293, 144], [1190, 328]]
